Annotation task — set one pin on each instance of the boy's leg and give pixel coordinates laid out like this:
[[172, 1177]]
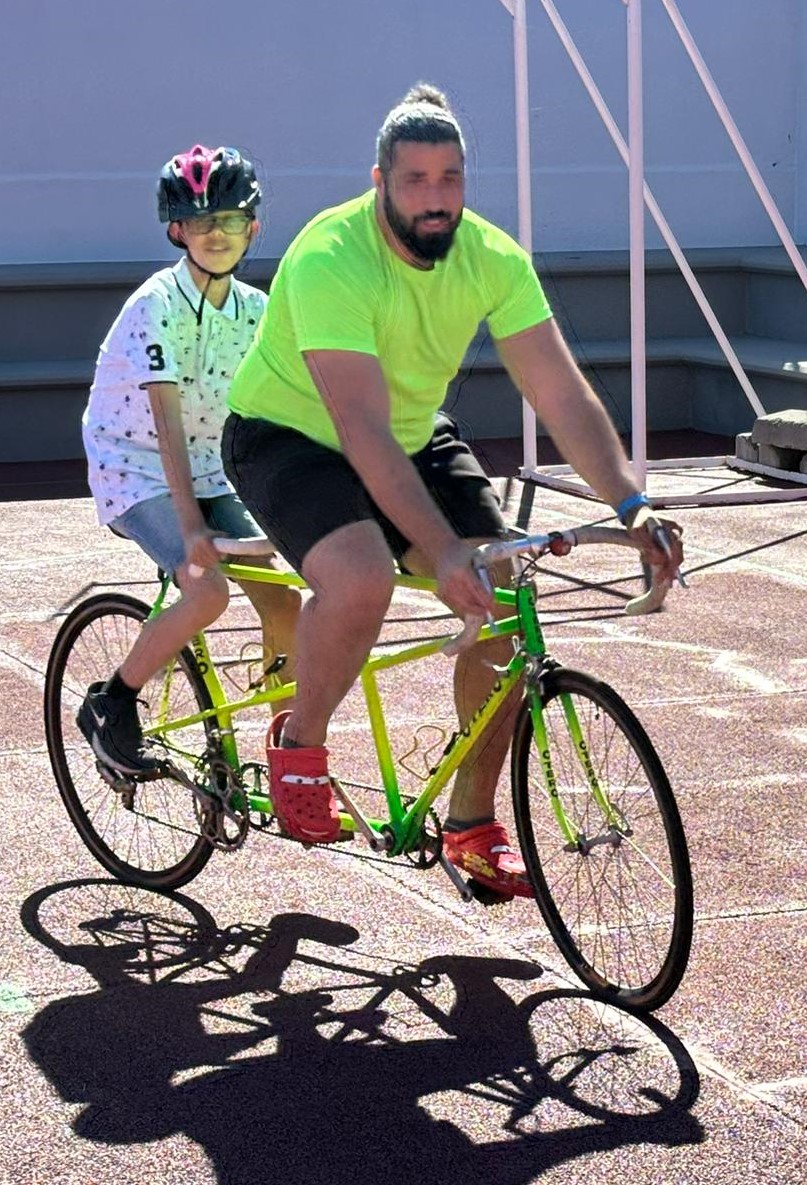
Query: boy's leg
[[277, 606], [108, 716], [204, 598]]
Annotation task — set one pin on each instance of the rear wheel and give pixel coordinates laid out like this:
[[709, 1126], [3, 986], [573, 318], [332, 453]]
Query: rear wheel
[[617, 896], [144, 833]]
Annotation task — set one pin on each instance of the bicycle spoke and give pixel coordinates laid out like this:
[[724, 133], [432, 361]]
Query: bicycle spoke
[[148, 834], [619, 901]]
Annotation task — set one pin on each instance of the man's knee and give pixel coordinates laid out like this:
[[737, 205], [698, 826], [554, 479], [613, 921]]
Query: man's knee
[[353, 569]]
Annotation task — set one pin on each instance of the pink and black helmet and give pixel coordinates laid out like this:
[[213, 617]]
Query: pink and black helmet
[[205, 180]]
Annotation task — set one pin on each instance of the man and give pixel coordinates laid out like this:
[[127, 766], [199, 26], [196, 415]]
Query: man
[[335, 446]]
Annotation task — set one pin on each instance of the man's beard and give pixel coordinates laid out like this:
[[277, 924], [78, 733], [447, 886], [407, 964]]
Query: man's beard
[[426, 247]]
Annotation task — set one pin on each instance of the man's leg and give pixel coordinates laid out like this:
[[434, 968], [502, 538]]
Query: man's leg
[[474, 840], [351, 575], [474, 792], [473, 796], [350, 572]]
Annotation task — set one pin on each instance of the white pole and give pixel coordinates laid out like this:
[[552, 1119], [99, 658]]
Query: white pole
[[523, 169], [638, 361], [737, 140]]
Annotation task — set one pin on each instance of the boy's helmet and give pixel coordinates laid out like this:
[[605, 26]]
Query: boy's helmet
[[205, 180]]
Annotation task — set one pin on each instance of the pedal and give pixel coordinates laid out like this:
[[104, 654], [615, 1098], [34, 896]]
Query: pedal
[[124, 787], [123, 782], [487, 896], [458, 881]]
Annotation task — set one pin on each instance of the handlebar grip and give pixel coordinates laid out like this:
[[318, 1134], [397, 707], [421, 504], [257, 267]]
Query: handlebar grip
[[254, 545], [225, 545], [653, 599], [466, 638]]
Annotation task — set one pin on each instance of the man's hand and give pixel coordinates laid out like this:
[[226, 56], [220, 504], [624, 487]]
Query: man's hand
[[458, 583], [660, 540]]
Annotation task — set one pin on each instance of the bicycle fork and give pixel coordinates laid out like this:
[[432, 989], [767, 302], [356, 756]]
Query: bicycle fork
[[615, 825]]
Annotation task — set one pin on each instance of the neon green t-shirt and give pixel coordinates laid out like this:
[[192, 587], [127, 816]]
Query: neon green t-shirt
[[340, 287]]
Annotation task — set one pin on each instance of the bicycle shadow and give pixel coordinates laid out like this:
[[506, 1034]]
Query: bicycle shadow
[[271, 1056]]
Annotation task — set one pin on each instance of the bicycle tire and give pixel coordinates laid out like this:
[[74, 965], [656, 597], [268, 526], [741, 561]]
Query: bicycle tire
[[155, 843], [620, 910]]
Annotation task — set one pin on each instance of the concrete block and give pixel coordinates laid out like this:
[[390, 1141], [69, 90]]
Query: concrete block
[[745, 449], [784, 429], [780, 458]]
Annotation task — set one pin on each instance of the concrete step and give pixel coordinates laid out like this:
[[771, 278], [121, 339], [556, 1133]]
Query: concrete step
[[55, 316], [500, 457], [689, 383], [54, 311]]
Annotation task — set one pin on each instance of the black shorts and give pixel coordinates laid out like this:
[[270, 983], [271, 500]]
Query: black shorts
[[299, 491]]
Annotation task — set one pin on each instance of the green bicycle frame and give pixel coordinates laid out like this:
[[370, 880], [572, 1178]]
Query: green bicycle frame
[[404, 824]]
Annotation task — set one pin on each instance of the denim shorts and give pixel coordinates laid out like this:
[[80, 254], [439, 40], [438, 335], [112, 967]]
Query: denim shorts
[[301, 491], [153, 525]]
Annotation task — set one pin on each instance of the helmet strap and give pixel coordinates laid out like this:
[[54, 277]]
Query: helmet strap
[[212, 276]]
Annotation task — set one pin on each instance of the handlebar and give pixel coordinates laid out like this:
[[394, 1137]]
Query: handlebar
[[560, 543], [255, 545], [556, 542]]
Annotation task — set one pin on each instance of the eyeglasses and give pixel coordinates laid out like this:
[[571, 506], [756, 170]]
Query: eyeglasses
[[231, 224]]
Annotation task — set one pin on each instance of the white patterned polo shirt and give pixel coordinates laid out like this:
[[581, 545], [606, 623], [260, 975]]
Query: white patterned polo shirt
[[156, 339]]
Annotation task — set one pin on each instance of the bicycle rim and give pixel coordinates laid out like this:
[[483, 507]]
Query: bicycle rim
[[154, 841], [617, 898]]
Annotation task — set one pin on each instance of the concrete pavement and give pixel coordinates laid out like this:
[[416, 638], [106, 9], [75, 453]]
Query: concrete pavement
[[301, 1016]]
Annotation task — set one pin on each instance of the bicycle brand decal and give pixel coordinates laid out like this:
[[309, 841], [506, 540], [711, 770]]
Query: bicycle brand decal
[[549, 774], [480, 711], [587, 766], [200, 655]]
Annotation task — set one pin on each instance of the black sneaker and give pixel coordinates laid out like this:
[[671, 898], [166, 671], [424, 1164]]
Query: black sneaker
[[112, 728]]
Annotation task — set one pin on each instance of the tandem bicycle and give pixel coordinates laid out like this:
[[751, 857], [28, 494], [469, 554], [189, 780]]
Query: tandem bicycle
[[597, 823]]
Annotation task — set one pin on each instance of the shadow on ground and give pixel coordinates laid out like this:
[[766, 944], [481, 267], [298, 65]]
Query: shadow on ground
[[292, 1050]]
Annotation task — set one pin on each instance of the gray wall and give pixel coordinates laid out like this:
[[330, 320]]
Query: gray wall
[[95, 94]]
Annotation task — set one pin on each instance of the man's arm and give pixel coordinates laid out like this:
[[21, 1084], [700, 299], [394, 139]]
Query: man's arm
[[542, 367], [164, 399], [354, 390]]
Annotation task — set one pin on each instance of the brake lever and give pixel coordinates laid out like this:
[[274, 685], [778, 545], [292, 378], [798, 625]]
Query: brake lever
[[662, 539]]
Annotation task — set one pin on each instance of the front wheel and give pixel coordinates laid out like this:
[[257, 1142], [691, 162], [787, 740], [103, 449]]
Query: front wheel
[[144, 833], [614, 884]]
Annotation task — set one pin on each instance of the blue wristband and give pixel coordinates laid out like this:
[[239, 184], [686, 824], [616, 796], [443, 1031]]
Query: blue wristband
[[630, 503]]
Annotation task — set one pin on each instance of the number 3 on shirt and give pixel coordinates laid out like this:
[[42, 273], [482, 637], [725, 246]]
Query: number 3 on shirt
[[156, 359]]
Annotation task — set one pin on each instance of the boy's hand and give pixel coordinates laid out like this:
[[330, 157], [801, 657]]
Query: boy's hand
[[199, 549]]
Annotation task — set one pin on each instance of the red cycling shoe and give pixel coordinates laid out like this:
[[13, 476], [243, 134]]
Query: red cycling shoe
[[300, 788], [485, 853]]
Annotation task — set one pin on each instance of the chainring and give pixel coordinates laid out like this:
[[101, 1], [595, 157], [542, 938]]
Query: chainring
[[430, 847]]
